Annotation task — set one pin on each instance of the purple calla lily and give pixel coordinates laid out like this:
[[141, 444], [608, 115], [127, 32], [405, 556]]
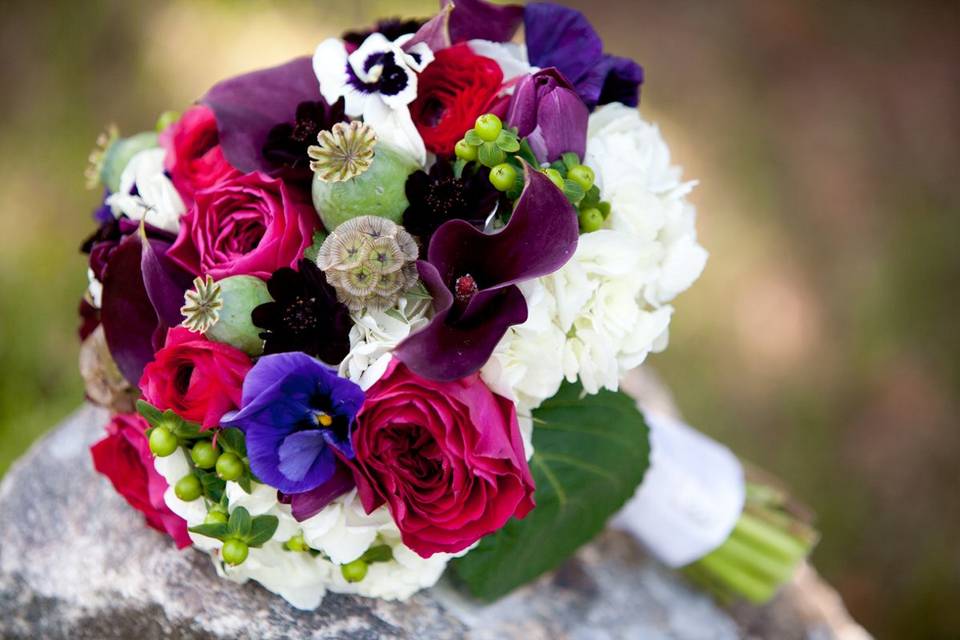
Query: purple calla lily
[[142, 294], [249, 106], [482, 20], [298, 416], [547, 111], [435, 32], [472, 277], [561, 37]]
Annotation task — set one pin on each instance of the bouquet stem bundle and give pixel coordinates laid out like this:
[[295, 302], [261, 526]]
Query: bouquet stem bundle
[[768, 543]]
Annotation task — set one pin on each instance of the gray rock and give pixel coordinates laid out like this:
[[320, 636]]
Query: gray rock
[[77, 562]]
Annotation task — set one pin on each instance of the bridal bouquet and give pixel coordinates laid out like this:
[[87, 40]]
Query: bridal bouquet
[[363, 315]]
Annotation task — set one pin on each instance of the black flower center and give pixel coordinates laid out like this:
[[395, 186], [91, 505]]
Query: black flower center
[[446, 197], [181, 379], [300, 315]]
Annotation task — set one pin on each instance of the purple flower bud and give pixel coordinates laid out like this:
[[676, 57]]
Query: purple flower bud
[[547, 111]]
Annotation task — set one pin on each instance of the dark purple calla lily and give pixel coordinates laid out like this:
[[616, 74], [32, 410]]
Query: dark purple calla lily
[[435, 32], [142, 295], [482, 20], [472, 277], [248, 107], [547, 111], [561, 37]]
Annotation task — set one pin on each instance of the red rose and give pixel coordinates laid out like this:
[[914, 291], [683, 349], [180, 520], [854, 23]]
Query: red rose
[[446, 457], [194, 158], [248, 225], [454, 89], [199, 379], [124, 457]]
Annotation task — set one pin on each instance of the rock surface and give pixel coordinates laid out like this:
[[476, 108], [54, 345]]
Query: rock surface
[[77, 562]]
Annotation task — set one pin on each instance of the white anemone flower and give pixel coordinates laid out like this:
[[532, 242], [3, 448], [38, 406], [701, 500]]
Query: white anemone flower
[[377, 82], [156, 200]]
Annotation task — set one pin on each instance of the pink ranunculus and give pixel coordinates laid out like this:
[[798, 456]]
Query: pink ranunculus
[[194, 158], [248, 225], [198, 379], [124, 457], [446, 457]]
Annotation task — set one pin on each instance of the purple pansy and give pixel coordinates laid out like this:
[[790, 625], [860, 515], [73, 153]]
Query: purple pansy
[[563, 38], [298, 416], [310, 503], [250, 106], [472, 277], [547, 111]]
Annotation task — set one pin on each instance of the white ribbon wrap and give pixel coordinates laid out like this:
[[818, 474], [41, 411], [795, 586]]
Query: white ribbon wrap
[[691, 497]]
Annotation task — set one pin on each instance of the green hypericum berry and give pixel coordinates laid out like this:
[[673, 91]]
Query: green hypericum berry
[[296, 543], [188, 488], [354, 571], [488, 127], [162, 442], [465, 151], [590, 220], [234, 551], [555, 177], [204, 454], [503, 176], [229, 466], [215, 517], [582, 175]]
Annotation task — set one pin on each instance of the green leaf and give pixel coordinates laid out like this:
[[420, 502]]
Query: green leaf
[[573, 191], [507, 141], [590, 456], [473, 138], [604, 207], [311, 252], [240, 523], [216, 530], [262, 529], [232, 440], [490, 155], [246, 482], [213, 487], [570, 160], [180, 427], [379, 553], [527, 153], [149, 412]]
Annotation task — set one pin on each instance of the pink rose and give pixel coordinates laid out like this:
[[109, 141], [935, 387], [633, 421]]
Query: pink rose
[[199, 379], [248, 225], [446, 457], [194, 158], [124, 457]]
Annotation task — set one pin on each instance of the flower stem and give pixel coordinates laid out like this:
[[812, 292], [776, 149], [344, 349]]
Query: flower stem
[[761, 553]]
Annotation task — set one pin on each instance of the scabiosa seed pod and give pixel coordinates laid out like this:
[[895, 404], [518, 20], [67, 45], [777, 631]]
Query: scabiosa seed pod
[[370, 261]]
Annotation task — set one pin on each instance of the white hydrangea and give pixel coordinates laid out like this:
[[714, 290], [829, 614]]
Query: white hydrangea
[[375, 335], [342, 532], [157, 201], [607, 308]]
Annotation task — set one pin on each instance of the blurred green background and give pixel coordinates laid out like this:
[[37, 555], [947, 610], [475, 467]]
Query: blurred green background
[[821, 342]]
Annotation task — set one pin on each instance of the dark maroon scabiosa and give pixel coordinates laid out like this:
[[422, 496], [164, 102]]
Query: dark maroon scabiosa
[[287, 143], [439, 196], [304, 315], [472, 277], [250, 106]]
